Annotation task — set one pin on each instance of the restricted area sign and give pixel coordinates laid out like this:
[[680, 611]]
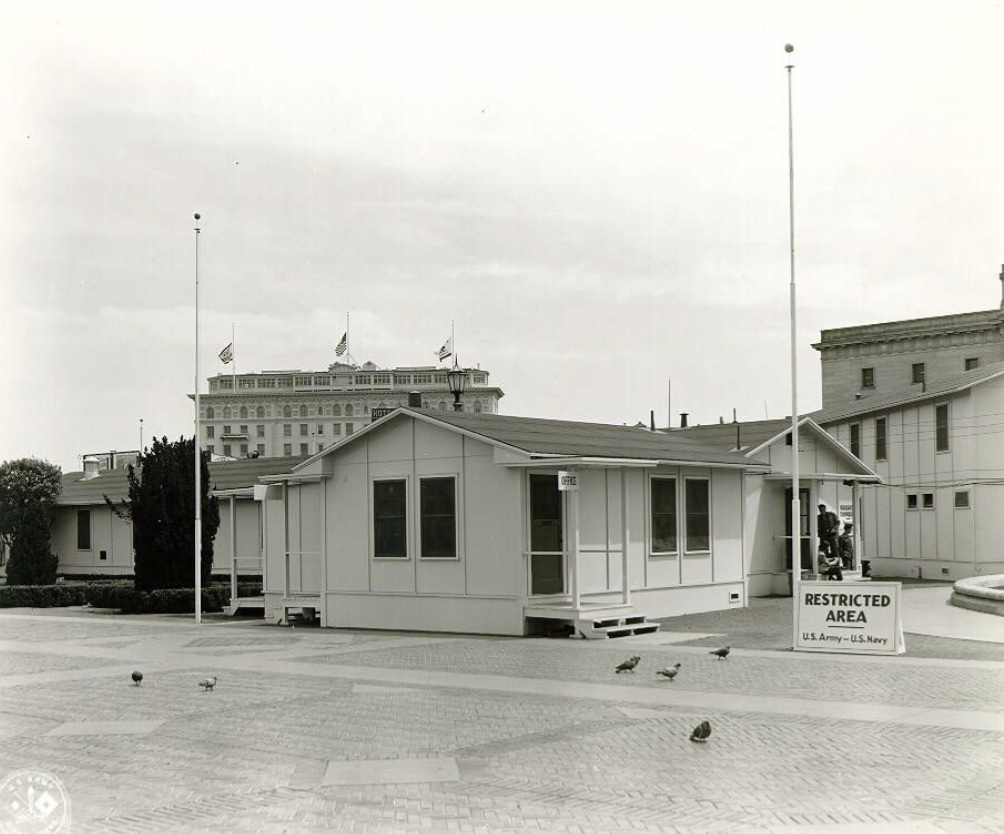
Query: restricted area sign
[[849, 617]]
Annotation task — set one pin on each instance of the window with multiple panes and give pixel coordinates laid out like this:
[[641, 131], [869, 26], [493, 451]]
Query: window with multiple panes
[[697, 511], [962, 499], [303, 429], [390, 535], [856, 439], [320, 430], [881, 452], [83, 529], [287, 430], [259, 432], [336, 430], [287, 449], [226, 451], [917, 372], [349, 428], [663, 509], [941, 427], [304, 450], [438, 517], [210, 432], [244, 431], [226, 430], [867, 377]]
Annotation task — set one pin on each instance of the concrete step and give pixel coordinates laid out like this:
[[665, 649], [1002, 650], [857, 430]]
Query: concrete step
[[609, 627]]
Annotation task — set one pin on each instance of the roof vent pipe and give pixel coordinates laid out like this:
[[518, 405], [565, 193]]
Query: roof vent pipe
[[651, 420], [683, 419]]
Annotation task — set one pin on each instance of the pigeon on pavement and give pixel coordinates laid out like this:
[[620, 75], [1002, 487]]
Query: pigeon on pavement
[[669, 672], [137, 678], [721, 654], [628, 665], [701, 732], [208, 683]]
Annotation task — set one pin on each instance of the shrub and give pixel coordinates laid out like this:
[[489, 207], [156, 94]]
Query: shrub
[[42, 596]]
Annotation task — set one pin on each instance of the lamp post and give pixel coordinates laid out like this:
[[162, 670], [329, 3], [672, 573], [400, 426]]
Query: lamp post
[[456, 378]]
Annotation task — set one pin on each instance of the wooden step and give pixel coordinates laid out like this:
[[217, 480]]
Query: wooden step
[[610, 627]]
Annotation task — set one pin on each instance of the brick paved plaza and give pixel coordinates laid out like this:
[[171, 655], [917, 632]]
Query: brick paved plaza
[[314, 730]]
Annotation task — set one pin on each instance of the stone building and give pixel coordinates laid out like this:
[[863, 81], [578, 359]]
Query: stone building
[[872, 359], [298, 413]]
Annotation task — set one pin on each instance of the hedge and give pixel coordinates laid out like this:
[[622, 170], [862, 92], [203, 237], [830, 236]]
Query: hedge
[[121, 595]]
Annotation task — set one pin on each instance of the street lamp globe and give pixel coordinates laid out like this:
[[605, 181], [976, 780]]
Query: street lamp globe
[[456, 378]]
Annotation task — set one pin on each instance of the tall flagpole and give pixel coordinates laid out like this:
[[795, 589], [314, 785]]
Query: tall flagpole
[[233, 359], [796, 515], [198, 448]]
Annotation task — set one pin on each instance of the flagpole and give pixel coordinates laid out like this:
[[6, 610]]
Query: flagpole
[[233, 349], [198, 448], [796, 515]]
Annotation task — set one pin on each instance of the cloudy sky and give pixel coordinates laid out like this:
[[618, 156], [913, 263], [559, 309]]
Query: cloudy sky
[[596, 193]]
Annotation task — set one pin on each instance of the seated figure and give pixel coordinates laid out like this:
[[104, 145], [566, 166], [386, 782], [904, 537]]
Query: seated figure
[[830, 566]]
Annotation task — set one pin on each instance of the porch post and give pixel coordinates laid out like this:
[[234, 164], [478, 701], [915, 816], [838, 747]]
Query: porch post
[[324, 554], [573, 518], [814, 499], [856, 520], [285, 542], [233, 550], [625, 539]]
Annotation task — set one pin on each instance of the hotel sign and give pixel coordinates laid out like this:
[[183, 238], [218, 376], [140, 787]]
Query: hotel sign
[[849, 617]]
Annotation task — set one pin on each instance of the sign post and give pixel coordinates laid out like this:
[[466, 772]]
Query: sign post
[[849, 618]]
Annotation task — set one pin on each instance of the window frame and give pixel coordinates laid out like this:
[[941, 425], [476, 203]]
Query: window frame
[[868, 377], [675, 480], [452, 478], [854, 441], [686, 514], [918, 373], [942, 430], [87, 545], [373, 518], [881, 439], [964, 494], [912, 501], [927, 500]]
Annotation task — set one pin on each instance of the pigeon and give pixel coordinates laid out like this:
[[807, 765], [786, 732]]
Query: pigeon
[[701, 732], [721, 654], [137, 678], [208, 683], [628, 665], [669, 672]]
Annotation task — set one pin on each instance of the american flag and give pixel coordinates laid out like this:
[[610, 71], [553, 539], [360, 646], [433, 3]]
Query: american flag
[[446, 349], [227, 354], [343, 345]]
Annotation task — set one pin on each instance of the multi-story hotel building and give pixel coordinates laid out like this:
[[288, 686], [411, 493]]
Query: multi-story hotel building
[[292, 413]]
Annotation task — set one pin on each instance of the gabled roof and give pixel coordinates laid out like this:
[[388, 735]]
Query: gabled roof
[[223, 475], [758, 435], [543, 439], [955, 384]]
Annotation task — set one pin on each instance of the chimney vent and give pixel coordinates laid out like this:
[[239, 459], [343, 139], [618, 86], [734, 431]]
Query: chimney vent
[[683, 419], [92, 467]]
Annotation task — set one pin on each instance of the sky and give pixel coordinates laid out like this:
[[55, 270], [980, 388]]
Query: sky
[[593, 195]]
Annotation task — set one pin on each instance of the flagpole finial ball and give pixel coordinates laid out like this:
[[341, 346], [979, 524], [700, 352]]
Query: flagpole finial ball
[[789, 48], [199, 216]]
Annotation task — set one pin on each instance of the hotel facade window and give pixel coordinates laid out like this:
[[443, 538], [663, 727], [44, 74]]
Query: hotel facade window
[[881, 452], [210, 432], [856, 439], [867, 377], [287, 451], [662, 504], [972, 363], [917, 372], [304, 450]]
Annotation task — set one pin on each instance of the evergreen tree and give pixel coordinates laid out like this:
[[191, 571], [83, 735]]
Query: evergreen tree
[[29, 488], [161, 506]]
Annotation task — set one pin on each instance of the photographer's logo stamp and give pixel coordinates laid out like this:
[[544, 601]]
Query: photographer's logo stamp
[[32, 802]]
